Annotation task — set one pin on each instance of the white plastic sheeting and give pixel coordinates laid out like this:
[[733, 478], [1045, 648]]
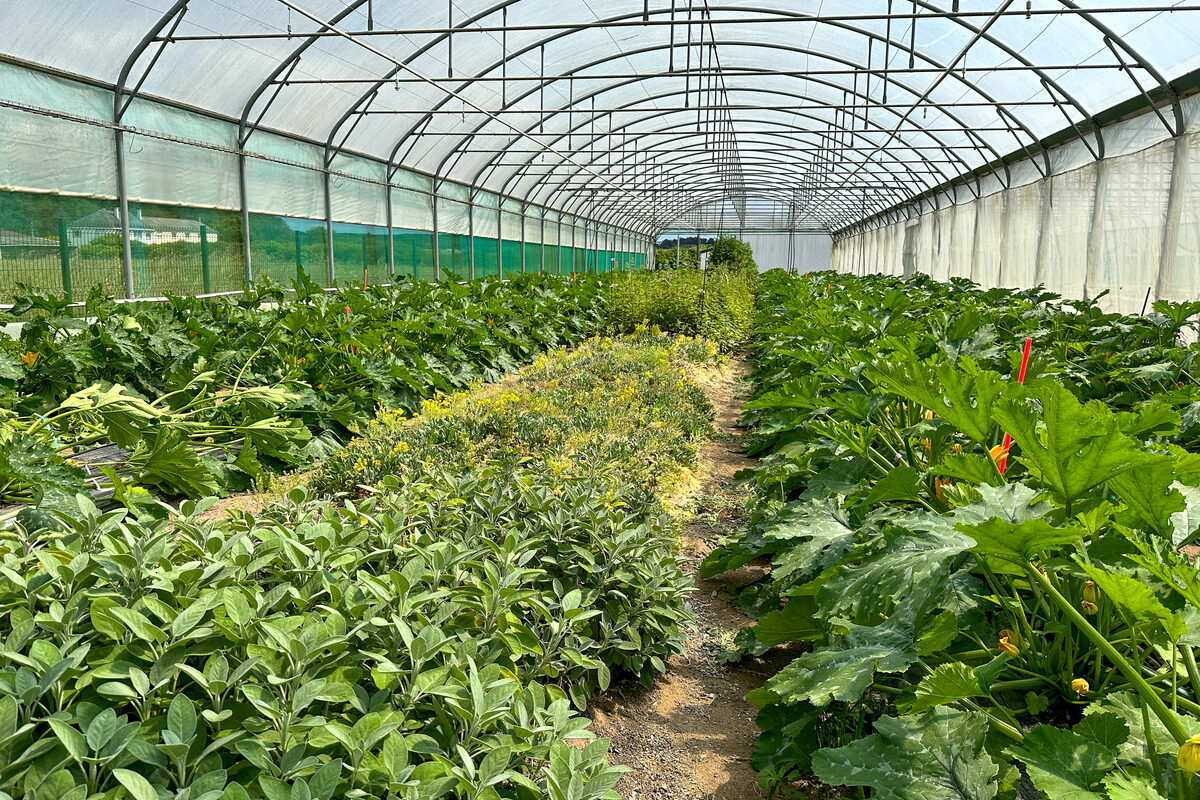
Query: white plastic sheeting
[[1126, 225], [799, 252], [579, 102], [58, 138]]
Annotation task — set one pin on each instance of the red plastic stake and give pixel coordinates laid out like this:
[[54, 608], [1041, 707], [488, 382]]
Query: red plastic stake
[[364, 277], [1020, 379]]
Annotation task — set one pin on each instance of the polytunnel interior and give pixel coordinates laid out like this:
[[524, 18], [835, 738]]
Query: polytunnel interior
[[1015, 143]]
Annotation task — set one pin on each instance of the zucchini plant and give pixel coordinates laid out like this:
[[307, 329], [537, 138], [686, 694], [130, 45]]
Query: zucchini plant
[[974, 612]]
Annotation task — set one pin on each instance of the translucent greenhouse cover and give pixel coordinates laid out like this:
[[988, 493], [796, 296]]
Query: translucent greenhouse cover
[[644, 111]]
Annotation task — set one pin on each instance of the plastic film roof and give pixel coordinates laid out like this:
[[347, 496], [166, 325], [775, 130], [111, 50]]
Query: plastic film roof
[[642, 112]]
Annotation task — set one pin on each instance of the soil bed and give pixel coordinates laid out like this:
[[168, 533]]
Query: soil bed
[[692, 735]]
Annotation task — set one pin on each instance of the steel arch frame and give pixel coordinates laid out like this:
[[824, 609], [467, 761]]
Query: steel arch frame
[[949, 150], [899, 45], [1050, 86], [572, 131], [581, 191]]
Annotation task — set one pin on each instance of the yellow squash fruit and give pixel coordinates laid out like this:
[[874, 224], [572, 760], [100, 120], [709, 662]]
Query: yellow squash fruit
[[1189, 757]]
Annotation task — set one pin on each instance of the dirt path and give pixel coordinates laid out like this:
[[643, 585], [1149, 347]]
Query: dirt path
[[691, 736]]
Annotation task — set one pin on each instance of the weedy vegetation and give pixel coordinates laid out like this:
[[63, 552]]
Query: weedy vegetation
[[717, 304]]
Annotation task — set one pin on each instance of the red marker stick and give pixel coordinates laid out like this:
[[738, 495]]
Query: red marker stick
[[1020, 379]]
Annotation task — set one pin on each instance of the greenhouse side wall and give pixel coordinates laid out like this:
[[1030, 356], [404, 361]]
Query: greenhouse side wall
[[60, 213], [1128, 225]]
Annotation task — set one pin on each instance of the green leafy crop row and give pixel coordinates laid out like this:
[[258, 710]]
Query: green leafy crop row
[[433, 637], [168, 382], [986, 614]]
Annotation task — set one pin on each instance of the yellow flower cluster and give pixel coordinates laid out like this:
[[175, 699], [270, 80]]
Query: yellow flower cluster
[[401, 447]]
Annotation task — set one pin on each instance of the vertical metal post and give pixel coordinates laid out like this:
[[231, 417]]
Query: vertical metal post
[[366, 236], [678, 249], [391, 244], [1175, 200], [976, 250], [471, 234], [123, 209], [558, 246], [437, 244], [331, 276], [1045, 216], [574, 229], [524, 208], [64, 258], [412, 257], [299, 254], [1006, 224], [542, 248], [1091, 276], [500, 238], [243, 195], [205, 274]]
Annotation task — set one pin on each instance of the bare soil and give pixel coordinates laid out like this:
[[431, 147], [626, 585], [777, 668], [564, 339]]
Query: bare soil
[[250, 502], [692, 735]]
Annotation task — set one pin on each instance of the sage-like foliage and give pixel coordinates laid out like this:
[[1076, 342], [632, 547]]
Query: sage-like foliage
[[434, 640], [433, 632]]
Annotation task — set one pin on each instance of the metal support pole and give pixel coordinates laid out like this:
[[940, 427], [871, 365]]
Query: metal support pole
[[574, 231], [64, 258], [471, 235], [205, 274], [1180, 169], [500, 238], [1045, 217], [1004, 237], [391, 244], [365, 237], [542, 249], [243, 195], [523, 210], [1091, 277], [123, 213], [331, 274], [300, 254], [437, 243], [678, 249]]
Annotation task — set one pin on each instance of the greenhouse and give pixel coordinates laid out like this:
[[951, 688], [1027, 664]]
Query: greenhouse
[[589, 400]]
